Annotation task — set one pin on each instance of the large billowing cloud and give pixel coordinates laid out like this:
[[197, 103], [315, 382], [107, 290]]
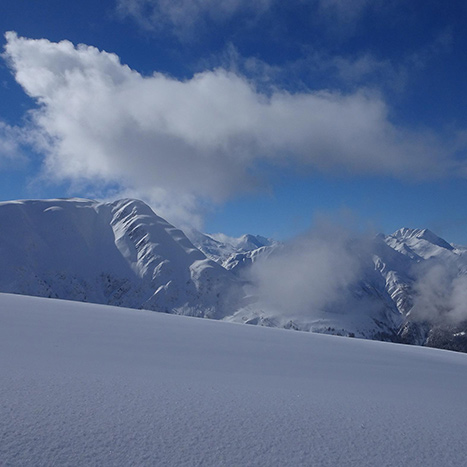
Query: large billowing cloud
[[179, 142]]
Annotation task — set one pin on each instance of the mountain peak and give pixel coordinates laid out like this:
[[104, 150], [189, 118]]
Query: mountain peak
[[405, 234]]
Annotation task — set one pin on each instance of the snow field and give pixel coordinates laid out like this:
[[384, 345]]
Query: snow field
[[86, 384]]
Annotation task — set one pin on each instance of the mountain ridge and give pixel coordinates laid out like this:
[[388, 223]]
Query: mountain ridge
[[118, 253], [122, 253]]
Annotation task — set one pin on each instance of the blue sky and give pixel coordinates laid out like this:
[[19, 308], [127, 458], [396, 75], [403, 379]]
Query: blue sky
[[241, 116]]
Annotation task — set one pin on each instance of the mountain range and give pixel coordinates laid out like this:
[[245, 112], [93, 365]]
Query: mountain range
[[406, 287]]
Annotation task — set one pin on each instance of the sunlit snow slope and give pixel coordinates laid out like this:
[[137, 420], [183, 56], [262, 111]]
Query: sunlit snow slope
[[85, 384], [118, 253]]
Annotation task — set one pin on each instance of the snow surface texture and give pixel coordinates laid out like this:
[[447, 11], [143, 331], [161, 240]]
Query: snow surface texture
[[86, 384]]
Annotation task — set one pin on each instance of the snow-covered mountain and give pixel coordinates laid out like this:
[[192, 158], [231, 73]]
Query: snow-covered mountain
[[431, 292], [408, 287], [233, 253], [417, 243], [118, 253], [339, 292]]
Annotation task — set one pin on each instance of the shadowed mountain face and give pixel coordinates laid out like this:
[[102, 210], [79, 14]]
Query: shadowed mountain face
[[405, 287]]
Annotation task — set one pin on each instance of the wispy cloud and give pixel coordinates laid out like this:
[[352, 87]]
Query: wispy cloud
[[345, 11], [200, 139], [11, 139], [308, 276], [319, 68], [184, 17], [322, 279], [333, 71], [441, 292]]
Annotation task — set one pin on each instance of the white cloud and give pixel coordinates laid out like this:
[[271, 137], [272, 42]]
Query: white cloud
[[324, 278], [345, 72], [310, 275], [441, 292], [198, 139]]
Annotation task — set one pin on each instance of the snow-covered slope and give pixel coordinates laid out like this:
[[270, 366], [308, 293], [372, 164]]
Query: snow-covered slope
[[239, 262], [118, 253], [418, 243], [84, 384], [428, 288], [246, 242], [233, 253], [409, 250]]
